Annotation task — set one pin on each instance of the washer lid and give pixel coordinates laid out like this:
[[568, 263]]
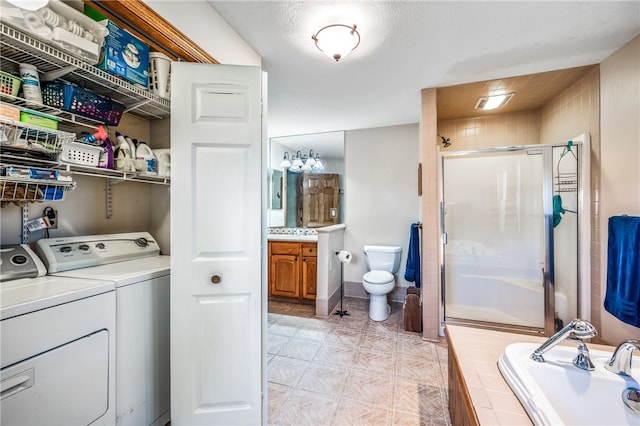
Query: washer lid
[[378, 277]]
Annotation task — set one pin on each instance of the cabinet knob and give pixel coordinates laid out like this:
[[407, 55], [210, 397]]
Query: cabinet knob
[[215, 279]]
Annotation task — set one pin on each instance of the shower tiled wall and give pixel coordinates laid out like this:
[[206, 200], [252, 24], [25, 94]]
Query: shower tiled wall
[[575, 111], [511, 129]]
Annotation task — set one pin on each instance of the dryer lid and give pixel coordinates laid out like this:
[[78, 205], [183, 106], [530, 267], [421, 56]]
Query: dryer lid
[[378, 277]]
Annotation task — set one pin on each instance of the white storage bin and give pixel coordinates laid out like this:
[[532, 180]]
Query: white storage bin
[[80, 153], [58, 25]]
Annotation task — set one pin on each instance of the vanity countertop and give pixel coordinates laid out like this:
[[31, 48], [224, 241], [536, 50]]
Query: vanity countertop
[[292, 234], [291, 237], [478, 351]]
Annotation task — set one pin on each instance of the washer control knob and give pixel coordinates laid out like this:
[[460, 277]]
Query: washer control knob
[[216, 279], [84, 247], [142, 242], [19, 259], [65, 249], [100, 246]]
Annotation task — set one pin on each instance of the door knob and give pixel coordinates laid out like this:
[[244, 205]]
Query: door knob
[[215, 279]]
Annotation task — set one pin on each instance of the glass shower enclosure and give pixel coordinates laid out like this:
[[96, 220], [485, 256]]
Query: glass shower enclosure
[[510, 236]]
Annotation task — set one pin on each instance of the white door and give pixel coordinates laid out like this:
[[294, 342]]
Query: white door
[[216, 239]]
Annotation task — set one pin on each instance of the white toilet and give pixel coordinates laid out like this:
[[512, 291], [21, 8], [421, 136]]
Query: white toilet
[[382, 262]]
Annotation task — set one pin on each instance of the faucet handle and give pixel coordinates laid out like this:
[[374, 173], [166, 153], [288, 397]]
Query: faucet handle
[[582, 360]]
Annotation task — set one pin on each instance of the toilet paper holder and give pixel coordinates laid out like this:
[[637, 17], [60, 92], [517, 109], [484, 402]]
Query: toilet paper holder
[[344, 257]]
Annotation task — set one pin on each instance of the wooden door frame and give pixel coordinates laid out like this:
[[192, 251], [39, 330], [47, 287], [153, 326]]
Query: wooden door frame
[[146, 24]]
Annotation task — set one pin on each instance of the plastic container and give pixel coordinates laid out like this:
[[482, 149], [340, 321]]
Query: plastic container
[[81, 101], [144, 153], [30, 83], [9, 85], [163, 157], [38, 120], [160, 74], [80, 153], [122, 154]]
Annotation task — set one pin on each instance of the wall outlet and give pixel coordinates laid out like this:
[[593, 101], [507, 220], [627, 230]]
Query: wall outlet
[[333, 212], [52, 217]]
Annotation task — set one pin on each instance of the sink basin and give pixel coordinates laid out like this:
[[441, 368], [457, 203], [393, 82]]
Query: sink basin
[[556, 392]]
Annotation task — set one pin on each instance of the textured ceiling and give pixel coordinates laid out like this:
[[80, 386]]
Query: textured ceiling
[[410, 45]]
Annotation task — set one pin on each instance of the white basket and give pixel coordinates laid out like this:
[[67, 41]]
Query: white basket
[[160, 74], [80, 153]]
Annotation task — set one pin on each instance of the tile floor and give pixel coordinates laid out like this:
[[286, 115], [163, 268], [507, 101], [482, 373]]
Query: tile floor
[[351, 370]]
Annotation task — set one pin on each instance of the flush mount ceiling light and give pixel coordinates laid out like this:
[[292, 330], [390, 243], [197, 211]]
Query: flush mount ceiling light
[[337, 40], [493, 101]]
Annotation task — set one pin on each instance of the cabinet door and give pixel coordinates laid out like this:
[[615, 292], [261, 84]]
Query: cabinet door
[[309, 277], [318, 199], [284, 275]]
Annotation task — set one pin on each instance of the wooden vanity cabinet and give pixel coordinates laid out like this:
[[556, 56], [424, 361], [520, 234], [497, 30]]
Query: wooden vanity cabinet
[[309, 270], [293, 269]]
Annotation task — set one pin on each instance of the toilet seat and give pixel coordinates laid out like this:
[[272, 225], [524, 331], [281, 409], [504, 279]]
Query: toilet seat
[[378, 277]]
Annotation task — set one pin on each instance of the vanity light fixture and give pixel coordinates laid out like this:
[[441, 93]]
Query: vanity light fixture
[[285, 163], [310, 160], [493, 101], [297, 161], [337, 40], [304, 163]]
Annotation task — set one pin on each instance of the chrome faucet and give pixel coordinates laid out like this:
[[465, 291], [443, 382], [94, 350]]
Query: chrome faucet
[[575, 331], [622, 358]]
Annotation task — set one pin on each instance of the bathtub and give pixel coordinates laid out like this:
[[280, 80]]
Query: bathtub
[[487, 297], [555, 392]]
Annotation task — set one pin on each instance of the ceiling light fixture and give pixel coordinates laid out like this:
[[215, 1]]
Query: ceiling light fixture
[[300, 162], [493, 101], [337, 40]]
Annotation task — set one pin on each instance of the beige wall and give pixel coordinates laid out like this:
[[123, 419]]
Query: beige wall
[[381, 199], [575, 111], [620, 161], [512, 129], [430, 217]]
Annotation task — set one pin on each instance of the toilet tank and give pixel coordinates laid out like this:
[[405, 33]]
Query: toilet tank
[[383, 258]]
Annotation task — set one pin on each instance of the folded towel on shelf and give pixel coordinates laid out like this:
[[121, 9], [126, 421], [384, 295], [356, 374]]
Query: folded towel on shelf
[[622, 298], [412, 271]]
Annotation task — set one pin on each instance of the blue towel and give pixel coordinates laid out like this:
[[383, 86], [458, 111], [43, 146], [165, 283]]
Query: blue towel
[[622, 298], [412, 272]]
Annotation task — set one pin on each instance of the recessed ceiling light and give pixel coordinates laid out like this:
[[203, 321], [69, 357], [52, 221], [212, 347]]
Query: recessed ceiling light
[[493, 101]]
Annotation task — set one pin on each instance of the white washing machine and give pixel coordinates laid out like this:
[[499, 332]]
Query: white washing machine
[[142, 278], [57, 345]]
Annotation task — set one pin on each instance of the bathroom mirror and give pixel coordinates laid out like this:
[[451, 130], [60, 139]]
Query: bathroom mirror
[[330, 149]]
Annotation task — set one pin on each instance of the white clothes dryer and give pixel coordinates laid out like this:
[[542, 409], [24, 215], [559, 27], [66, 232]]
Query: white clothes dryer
[[57, 345], [142, 278]]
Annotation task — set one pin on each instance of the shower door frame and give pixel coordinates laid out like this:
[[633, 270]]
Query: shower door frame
[[583, 146]]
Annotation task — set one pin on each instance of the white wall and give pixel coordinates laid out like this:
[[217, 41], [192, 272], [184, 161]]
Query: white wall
[[381, 192], [199, 21], [620, 159]]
